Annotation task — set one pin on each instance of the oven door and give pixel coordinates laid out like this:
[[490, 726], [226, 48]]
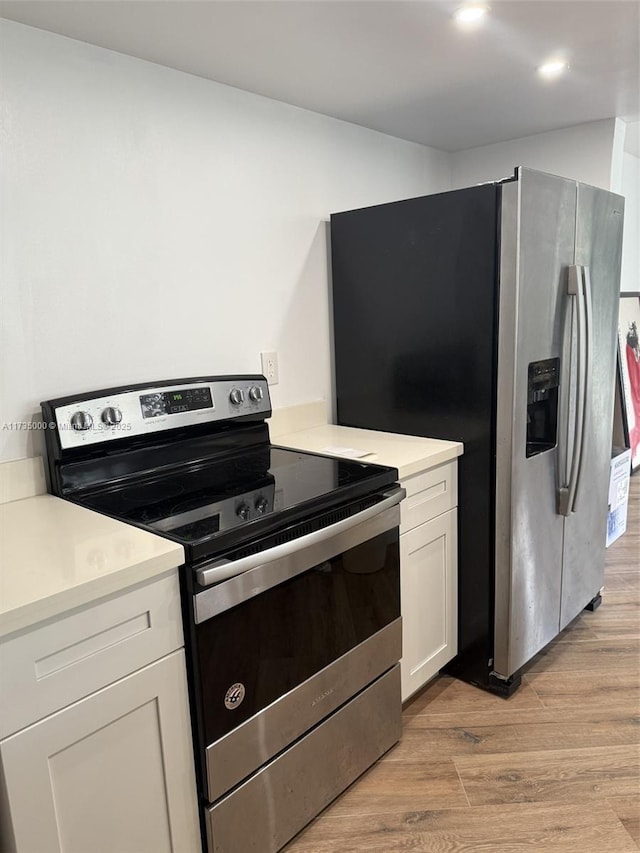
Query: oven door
[[283, 645]]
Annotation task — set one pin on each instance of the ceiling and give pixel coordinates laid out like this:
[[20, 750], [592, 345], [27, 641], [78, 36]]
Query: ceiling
[[403, 68]]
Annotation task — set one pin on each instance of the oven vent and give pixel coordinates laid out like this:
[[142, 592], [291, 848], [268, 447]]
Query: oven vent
[[305, 527]]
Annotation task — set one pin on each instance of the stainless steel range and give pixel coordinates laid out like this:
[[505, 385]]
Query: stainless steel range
[[291, 593]]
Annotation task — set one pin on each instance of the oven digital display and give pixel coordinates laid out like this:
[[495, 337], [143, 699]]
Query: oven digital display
[[175, 402]]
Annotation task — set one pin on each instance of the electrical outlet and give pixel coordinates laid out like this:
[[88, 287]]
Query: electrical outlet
[[270, 366]]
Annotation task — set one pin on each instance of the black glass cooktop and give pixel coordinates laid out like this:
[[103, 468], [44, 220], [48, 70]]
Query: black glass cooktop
[[239, 496]]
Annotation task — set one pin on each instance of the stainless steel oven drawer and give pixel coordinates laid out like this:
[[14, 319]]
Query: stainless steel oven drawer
[[268, 809]]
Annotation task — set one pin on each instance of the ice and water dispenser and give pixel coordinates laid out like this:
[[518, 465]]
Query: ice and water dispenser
[[542, 405]]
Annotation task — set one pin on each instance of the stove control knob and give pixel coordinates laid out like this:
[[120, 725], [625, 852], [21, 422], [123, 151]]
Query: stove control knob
[[261, 505], [236, 396], [255, 393], [81, 421], [111, 416], [243, 511]]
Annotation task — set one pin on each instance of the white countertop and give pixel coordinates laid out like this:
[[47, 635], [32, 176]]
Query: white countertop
[[55, 555], [408, 453]]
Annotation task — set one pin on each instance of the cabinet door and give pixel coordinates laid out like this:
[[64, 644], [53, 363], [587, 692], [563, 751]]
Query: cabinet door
[[112, 773], [429, 599]]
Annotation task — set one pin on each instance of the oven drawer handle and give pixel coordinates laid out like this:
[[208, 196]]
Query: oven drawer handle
[[228, 568]]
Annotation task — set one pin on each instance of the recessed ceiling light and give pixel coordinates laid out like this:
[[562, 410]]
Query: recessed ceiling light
[[468, 16], [552, 68]]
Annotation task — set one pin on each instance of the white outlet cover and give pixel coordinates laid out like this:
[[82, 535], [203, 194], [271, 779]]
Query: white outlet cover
[[269, 362]]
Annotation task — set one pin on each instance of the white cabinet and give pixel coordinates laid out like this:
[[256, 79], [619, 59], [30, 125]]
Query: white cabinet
[[111, 772], [428, 575]]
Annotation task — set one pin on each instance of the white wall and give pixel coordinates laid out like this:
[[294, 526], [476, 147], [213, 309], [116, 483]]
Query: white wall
[[630, 189], [583, 153], [158, 225]]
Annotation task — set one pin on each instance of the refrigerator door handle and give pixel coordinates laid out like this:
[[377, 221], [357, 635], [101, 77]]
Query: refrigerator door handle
[[576, 289], [588, 348]]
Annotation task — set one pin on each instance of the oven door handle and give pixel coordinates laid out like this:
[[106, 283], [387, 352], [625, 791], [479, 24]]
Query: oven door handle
[[249, 576]]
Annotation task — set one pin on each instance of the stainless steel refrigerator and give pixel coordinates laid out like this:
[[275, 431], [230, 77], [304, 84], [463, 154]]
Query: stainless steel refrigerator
[[488, 315]]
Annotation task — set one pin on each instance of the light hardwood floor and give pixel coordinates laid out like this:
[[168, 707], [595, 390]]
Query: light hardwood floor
[[555, 769]]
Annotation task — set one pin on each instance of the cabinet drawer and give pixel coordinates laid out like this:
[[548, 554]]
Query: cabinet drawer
[[429, 494], [52, 665]]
